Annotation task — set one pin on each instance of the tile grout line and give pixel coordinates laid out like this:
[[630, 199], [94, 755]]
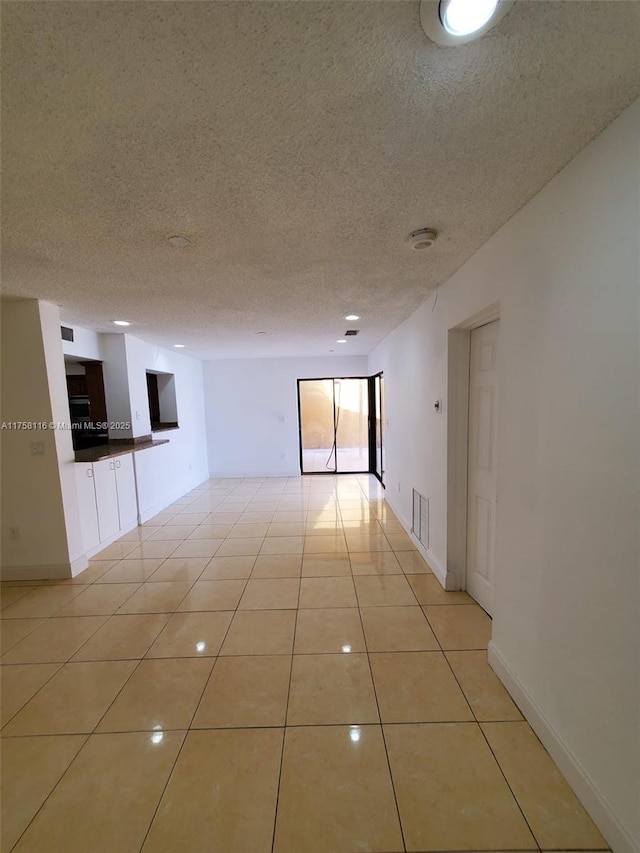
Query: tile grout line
[[285, 726], [382, 732], [60, 778], [189, 726]]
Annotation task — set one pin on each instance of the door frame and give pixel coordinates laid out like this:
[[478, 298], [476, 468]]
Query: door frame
[[332, 379], [458, 353], [373, 432]]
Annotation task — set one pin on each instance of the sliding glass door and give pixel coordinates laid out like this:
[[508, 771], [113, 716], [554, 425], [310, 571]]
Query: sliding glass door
[[352, 425], [317, 418], [334, 425]]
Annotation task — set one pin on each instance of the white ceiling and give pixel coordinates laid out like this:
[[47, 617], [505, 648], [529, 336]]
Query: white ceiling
[[296, 144]]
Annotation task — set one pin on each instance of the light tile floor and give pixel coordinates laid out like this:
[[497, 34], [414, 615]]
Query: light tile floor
[[268, 665]]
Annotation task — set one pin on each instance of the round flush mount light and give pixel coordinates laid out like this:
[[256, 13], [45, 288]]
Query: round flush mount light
[[121, 323], [423, 238], [179, 242], [352, 317], [452, 22]]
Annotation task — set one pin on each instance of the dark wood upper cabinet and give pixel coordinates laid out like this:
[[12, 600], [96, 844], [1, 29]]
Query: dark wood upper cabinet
[[95, 390], [77, 386]]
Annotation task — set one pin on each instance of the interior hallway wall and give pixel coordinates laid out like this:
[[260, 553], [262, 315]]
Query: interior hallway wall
[[565, 272], [252, 411], [40, 515]]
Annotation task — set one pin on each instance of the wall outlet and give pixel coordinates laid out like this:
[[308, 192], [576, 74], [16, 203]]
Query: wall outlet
[[14, 533], [37, 448]]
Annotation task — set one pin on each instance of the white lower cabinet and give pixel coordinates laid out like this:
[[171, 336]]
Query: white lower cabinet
[[126, 488], [108, 500], [88, 506]]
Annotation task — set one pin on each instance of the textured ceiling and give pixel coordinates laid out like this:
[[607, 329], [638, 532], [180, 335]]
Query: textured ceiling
[[296, 144]]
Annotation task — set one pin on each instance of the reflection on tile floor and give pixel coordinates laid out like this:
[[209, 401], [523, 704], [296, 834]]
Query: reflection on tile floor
[[267, 665]]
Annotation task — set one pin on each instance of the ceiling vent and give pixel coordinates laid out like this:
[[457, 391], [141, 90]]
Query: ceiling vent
[[351, 332], [67, 333]]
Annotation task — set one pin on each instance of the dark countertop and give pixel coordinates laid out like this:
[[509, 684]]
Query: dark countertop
[[105, 451]]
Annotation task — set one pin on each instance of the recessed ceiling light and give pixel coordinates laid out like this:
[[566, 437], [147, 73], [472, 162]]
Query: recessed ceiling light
[[342, 341], [180, 242], [464, 17], [179, 346], [352, 317], [121, 323], [453, 22]]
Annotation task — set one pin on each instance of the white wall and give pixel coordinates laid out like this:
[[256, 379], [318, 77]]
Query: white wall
[[252, 411], [115, 373], [165, 473], [565, 271], [38, 491], [85, 343]]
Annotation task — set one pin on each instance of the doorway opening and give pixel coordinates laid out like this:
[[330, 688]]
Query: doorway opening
[[472, 454], [340, 425]]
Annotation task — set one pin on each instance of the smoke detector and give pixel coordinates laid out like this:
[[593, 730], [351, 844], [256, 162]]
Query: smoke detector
[[179, 241], [423, 239]]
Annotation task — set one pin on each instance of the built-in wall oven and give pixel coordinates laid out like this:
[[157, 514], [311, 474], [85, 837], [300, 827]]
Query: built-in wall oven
[[84, 432]]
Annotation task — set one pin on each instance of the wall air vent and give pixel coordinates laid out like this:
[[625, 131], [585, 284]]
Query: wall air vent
[[351, 332], [420, 523], [67, 333]]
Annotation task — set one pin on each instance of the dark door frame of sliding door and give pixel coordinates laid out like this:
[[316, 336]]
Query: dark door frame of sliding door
[[373, 441], [371, 430]]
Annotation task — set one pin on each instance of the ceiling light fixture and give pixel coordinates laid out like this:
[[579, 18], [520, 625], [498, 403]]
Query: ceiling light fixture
[[452, 22], [180, 242], [342, 341], [464, 17], [121, 323], [179, 346], [352, 317]]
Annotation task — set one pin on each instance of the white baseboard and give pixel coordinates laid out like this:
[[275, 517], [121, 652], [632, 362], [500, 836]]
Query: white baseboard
[[434, 564], [148, 512], [79, 565], [599, 810], [50, 571], [242, 475]]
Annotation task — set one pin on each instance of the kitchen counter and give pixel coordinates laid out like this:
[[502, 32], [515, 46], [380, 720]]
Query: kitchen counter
[[105, 451]]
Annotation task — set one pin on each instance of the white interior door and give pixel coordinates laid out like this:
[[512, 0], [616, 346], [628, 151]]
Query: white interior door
[[481, 479]]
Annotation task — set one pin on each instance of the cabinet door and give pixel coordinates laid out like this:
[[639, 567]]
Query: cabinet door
[[127, 499], [106, 498], [88, 506]]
